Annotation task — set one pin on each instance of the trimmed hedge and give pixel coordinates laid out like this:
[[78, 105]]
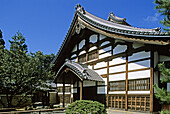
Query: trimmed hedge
[[86, 107]]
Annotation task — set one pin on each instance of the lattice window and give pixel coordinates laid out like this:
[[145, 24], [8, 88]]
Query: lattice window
[[117, 86], [82, 58], [117, 101], [139, 103], [92, 55], [139, 84]]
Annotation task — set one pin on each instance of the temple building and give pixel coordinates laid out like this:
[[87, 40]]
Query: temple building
[[110, 61]]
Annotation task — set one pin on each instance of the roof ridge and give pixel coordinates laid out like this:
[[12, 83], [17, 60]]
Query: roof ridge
[[119, 28]]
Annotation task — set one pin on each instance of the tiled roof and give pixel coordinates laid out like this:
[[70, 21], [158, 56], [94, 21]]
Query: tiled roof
[[116, 28], [81, 70], [116, 19]]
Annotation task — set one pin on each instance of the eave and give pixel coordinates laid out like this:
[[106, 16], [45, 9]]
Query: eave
[[113, 30]]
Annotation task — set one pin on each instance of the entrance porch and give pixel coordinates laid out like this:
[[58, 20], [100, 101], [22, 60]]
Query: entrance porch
[[85, 83]]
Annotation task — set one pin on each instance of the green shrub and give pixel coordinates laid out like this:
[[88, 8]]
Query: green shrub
[[165, 112], [86, 107]]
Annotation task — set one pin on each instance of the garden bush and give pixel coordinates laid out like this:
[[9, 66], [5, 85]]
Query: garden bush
[[165, 112], [86, 107]]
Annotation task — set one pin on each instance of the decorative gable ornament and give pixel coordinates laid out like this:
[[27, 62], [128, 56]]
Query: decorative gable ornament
[[80, 8]]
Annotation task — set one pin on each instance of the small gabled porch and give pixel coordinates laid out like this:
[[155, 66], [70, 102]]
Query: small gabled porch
[[83, 80]]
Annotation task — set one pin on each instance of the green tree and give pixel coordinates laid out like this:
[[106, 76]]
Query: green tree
[[2, 47], [24, 73], [162, 93], [163, 7]]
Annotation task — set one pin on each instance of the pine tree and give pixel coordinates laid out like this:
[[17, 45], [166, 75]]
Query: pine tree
[[23, 73], [163, 7], [162, 93], [2, 47]]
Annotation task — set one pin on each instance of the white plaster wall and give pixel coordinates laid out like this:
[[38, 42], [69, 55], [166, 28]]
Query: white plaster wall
[[60, 85], [139, 92], [82, 52], [105, 80], [101, 64], [139, 74], [139, 55], [117, 77], [93, 48], [101, 37], [139, 65], [71, 88], [117, 92], [119, 49], [67, 93], [91, 60], [117, 61], [103, 55], [101, 71], [117, 68], [93, 38], [89, 66], [81, 44]]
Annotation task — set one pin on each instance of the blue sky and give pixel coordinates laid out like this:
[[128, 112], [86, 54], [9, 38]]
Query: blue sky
[[45, 23]]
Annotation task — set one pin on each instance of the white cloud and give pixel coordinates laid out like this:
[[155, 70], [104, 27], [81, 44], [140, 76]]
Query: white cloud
[[152, 18]]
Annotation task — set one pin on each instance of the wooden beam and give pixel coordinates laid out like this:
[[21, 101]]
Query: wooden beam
[[63, 90], [81, 90], [107, 83], [125, 71], [123, 63], [126, 94], [98, 45], [151, 81], [114, 101], [111, 101]]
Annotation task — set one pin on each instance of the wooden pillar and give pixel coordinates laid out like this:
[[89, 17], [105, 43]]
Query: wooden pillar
[[63, 90], [107, 84], [98, 38], [151, 81], [81, 90], [126, 93], [56, 94]]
